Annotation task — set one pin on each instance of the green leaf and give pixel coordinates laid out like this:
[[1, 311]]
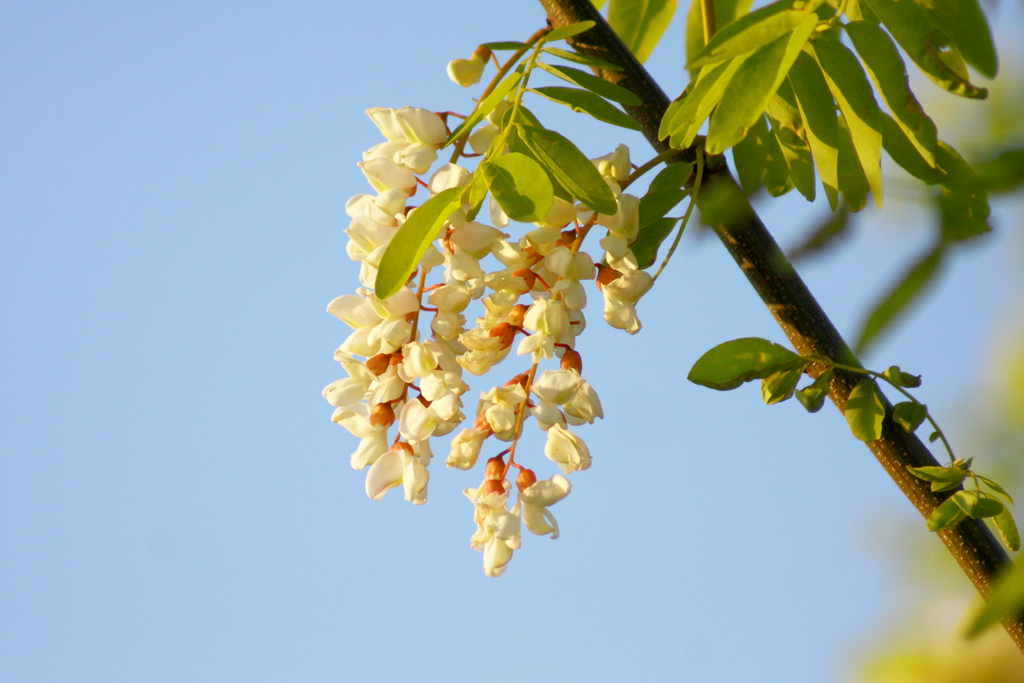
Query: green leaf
[[962, 216], [590, 82], [823, 235], [896, 302], [485, 107], [750, 156], [731, 364], [586, 60], [645, 248], [672, 177], [780, 385], [505, 45], [569, 31], [909, 415], [598, 4], [933, 437], [889, 74], [864, 411], [1003, 173], [520, 186], [749, 91], [1007, 528], [704, 94], [569, 165], [965, 23], [477, 191], [899, 378], [654, 205], [409, 244], [818, 110], [941, 478], [946, 516], [776, 171], [978, 505], [725, 12], [516, 144], [996, 487], [640, 23], [587, 102], [901, 149], [856, 101], [788, 127], [812, 397], [927, 45], [753, 31], [853, 185], [1005, 601]]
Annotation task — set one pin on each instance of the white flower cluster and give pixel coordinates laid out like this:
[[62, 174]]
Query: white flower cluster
[[404, 368]]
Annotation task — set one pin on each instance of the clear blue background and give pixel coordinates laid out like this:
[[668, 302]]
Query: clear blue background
[[175, 504]]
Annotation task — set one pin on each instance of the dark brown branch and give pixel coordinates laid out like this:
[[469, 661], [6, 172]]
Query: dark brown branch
[[725, 207]]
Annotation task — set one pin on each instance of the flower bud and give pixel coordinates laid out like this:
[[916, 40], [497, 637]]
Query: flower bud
[[481, 424], [382, 414], [526, 479], [396, 358], [606, 274], [516, 315], [402, 446], [519, 379], [505, 332], [466, 72], [567, 237], [378, 364], [528, 276], [491, 486], [495, 468], [483, 52], [571, 360]]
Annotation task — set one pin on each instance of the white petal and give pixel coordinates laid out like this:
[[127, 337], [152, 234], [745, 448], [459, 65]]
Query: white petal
[[384, 475]]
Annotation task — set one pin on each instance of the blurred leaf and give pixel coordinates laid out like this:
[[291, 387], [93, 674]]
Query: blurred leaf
[[640, 23], [753, 31], [645, 248], [505, 45], [941, 478], [895, 303], [586, 60], [731, 364], [962, 216], [996, 487], [520, 186], [586, 102], [818, 110], [485, 107], [902, 379], [654, 205], [978, 505], [694, 108], [571, 167], [812, 397], [598, 4], [853, 184], [864, 411], [965, 23], [725, 12], [925, 44], [853, 94], [672, 177], [596, 85], [753, 85], [823, 235], [901, 149], [1004, 173], [1007, 528], [946, 516], [933, 437], [889, 74], [569, 31], [779, 385], [909, 415], [750, 156], [776, 171], [959, 175], [788, 127], [1006, 600], [407, 247]]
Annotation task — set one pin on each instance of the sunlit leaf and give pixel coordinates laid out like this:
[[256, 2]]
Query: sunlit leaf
[[753, 31], [812, 397], [520, 186], [776, 171], [725, 12], [965, 22], [823, 235], [753, 85], [645, 248], [996, 487], [505, 45], [864, 411], [586, 102], [818, 110], [592, 83], [1005, 601], [929, 47], [784, 115], [516, 144], [640, 23], [901, 379], [909, 415], [695, 107], [569, 31], [485, 107], [902, 150], [896, 301], [731, 364], [856, 101], [571, 167], [1007, 528], [750, 156], [586, 60], [1004, 173], [672, 177], [978, 505], [889, 73], [779, 385], [945, 516], [941, 478], [409, 244]]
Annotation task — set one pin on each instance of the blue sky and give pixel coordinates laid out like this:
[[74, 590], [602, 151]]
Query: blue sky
[[175, 503]]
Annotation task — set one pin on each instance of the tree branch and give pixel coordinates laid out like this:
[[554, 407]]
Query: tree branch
[[725, 207]]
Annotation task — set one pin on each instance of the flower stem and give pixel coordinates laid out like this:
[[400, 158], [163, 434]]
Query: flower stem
[[686, 216], [520, 417]]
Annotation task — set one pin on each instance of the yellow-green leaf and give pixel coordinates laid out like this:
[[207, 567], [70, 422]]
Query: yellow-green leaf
[[569, 31], [725, 12], [586, 102], [702, 98], [902, 150], [853, 185], [812, 397], [750, 156], [864, 411], [570, 167], [731, 364], [640, 23], [750, 89], [409, 244], [896, 301], [1006, 599], [780, 385], [856, 101], [909, 415], [485, 107], [520, 186], [753, 31], [945, 516], [592, 83], [784, 115], [1007, 528], [645, 248], [776, 171], [965, 22], [582, 59], [818, 110]]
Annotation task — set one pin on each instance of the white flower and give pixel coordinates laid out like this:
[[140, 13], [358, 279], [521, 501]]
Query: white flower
[[549, 322], [614, 165], [385, 174], [448, 176], [396, 467], [620, 297], [465, 449], [373, 439], [498, 406], [466, 72], [409, 124], [535, 501], [498, 531], [566, 450]]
